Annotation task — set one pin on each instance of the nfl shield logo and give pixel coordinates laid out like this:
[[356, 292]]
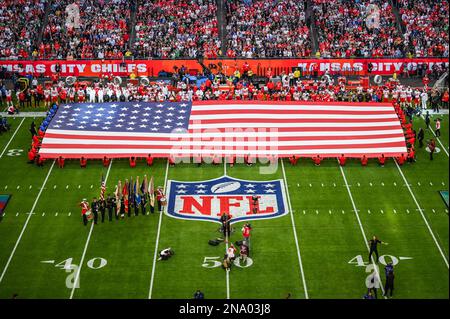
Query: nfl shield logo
[[241, 199]]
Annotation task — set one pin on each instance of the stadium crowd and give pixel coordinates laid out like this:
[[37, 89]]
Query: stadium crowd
[[173, 29], [101, 32], [357, 28], [252, 28], [259, 29], [20, 22], [426, 27]]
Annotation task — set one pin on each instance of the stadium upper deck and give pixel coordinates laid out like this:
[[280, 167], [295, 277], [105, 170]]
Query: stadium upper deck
[[232, 28]]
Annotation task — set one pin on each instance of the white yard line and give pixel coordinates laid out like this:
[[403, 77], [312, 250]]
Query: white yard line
[[227, 271], [225, 166], [12, 137], [294, 230], [77, 275], [157, 238], [423, 216], [361, 227], [26, 223], [438, 139]]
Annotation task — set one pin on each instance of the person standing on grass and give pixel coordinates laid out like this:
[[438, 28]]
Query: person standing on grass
[[389, 285], [427, 119], [102, 208], [199, 295], [246, 232], [431, 148], [374, 247], [33, 129], [110, 205], [95, 206], [84, 210], [437, 132], [420, 137]]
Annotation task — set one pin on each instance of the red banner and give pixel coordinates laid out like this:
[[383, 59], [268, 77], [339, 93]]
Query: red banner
[[96, 68]]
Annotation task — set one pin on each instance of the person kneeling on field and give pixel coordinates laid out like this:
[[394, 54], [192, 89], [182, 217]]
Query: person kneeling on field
[[166, 254]]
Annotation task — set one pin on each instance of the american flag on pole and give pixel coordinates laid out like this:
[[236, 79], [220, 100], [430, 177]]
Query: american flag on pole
[[222, 128], [102, 189]]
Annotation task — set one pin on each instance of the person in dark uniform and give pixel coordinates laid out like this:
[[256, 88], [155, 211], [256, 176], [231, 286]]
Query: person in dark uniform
[[389, 285], [136, 207], [143, 203], [33, 129], [199, 295], [110, 205], [102, 208], [374, 247], [420, 137], [427, 119], [225, 220], [122, 207], [94, 208], [255, 204], [130, 202]]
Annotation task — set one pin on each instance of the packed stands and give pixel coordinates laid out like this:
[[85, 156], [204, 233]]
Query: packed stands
[[259, 28], [102, 32], [357, 28], [172, 29], [426, 27], [20, 22]]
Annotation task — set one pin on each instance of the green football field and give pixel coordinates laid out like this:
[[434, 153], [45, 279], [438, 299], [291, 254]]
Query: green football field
[[318, 250]]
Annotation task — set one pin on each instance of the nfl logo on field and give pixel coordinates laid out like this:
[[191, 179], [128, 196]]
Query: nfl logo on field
[[241, 199]]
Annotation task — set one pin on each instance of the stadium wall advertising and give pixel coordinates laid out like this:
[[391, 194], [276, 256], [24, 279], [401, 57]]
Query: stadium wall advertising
[[95, 68]]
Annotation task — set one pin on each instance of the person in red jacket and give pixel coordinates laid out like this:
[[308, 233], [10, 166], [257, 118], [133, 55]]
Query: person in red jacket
[[364, 160], [149, 160], [342, 160], [401, 159], [317, 160], [216, 160], [382, 160], [61, 162], [411, 155], [160, 198], [106, 161], [83, 162], [132, 162], [31, 155], [293, 160]]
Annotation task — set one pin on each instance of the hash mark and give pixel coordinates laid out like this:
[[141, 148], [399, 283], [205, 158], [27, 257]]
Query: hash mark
[[381, 211], [6, 187], [329, 211], [317, 212], [17, 214], [304, 213], [43, 214], [395, 211], [359, 184], [67, 186], [431, 184], [370, 183], [79, 186], [369, 211], [382, 184], [54, 186], [70, 213], [92, 186], [395, 184], [18, 186], [30, 187], [56, 214], [343, 212]]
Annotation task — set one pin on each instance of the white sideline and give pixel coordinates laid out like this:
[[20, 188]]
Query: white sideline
[[423, 216], [12, 137], [294, 230], [361, 227], [157, 238], [77, 275], [26, 223]]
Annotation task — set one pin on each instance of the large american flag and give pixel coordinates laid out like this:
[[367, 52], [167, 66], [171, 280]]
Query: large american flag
[[222, 128]]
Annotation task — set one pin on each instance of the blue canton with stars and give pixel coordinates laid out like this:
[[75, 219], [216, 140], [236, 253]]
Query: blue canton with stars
[[126, 117], [227, 186]]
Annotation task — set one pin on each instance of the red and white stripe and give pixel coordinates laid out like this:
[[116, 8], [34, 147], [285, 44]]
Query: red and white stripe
[[257, 128]]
